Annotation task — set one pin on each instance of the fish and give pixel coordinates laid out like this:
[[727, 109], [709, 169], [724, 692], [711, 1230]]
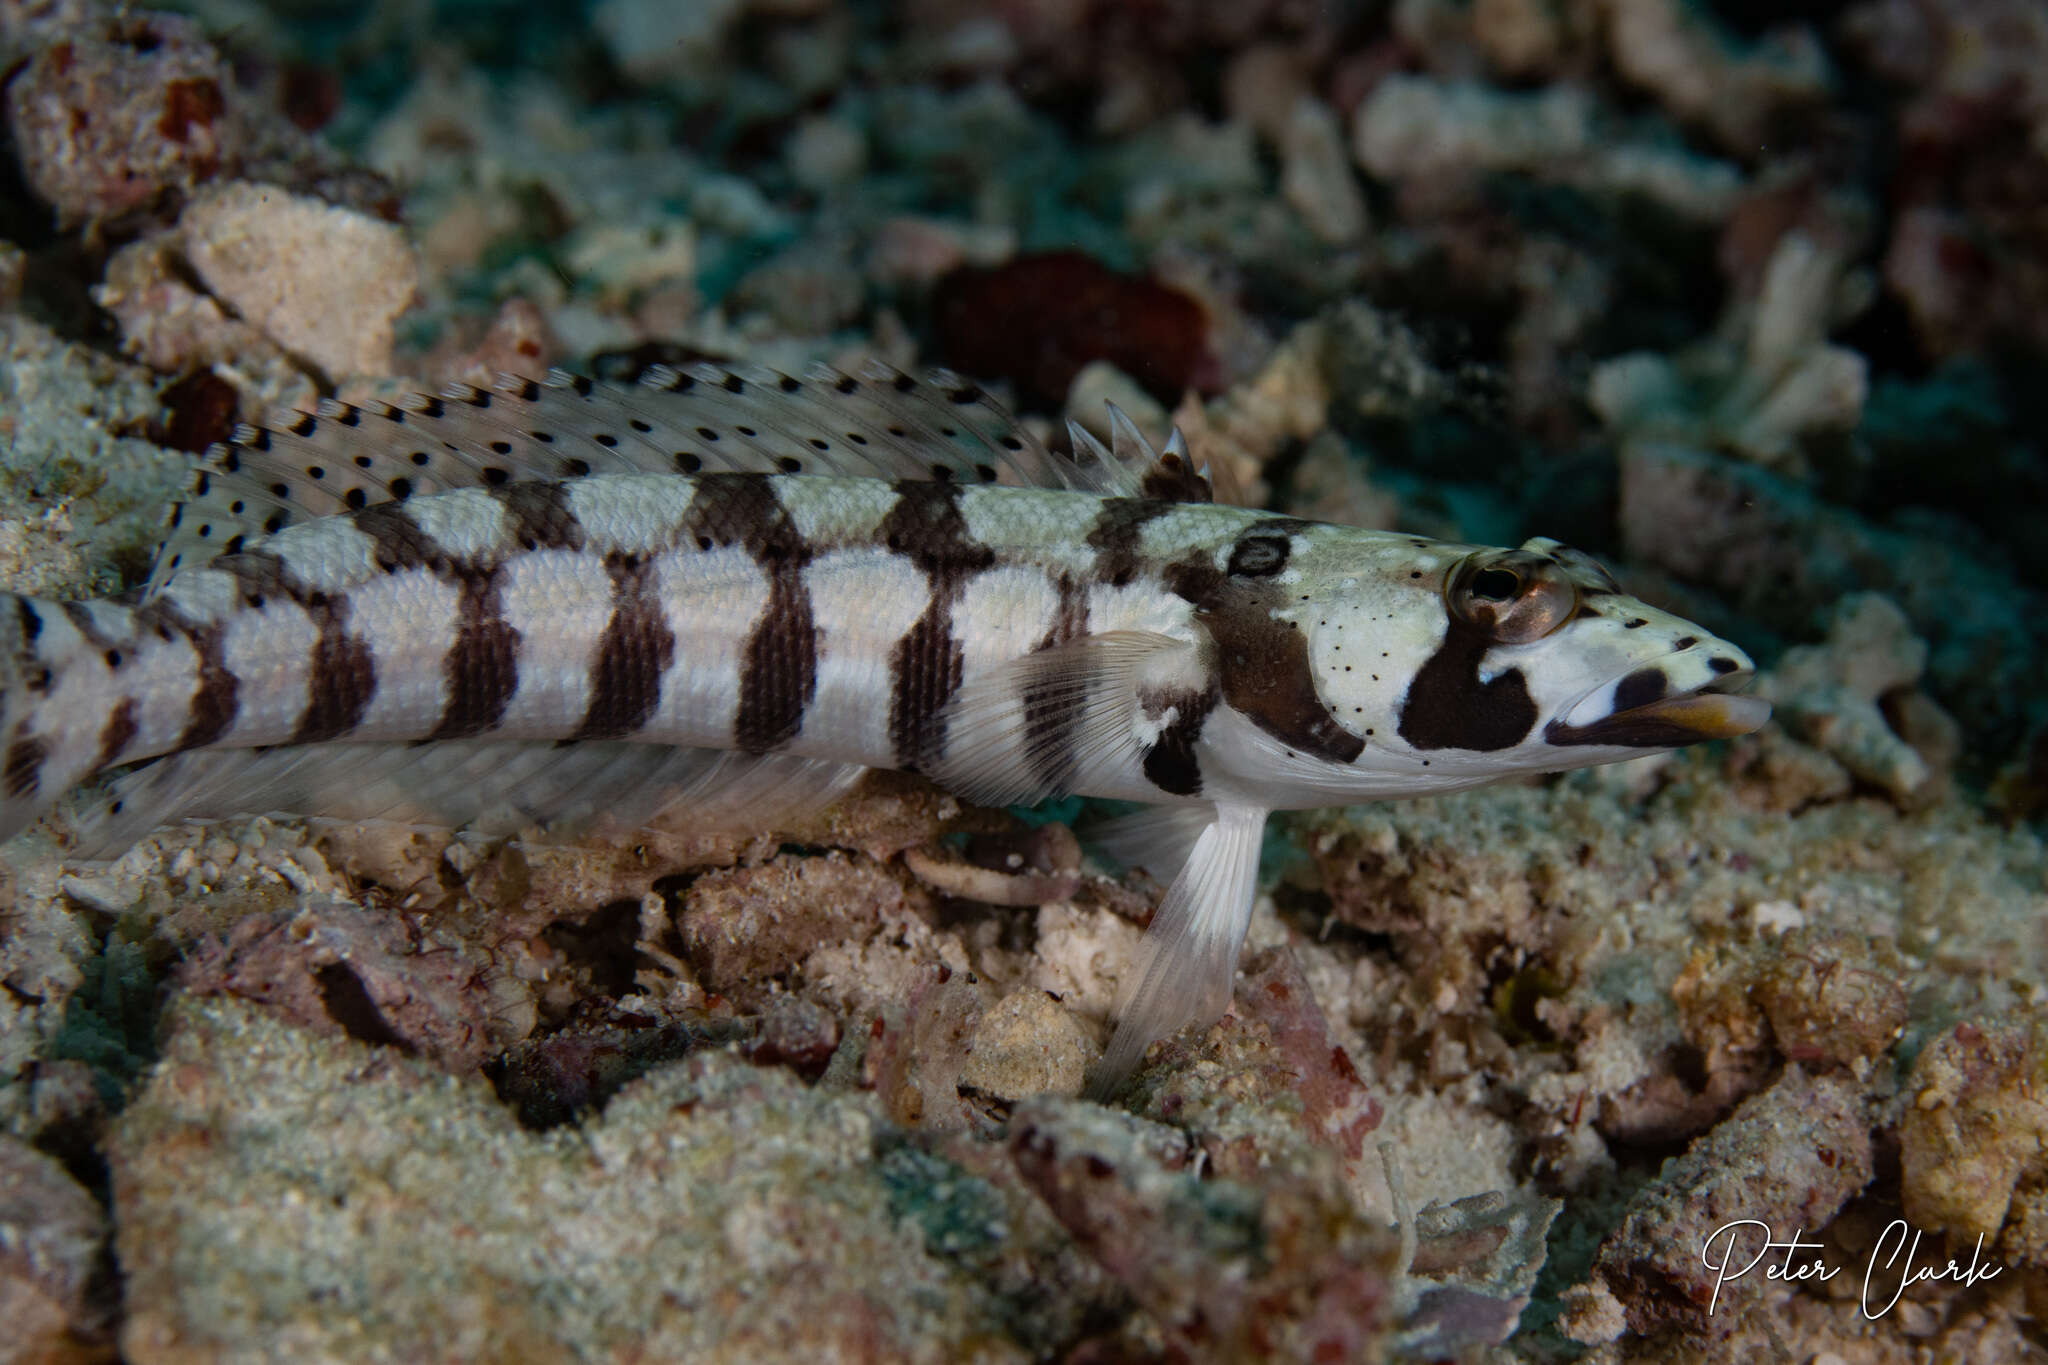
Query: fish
[[736, 590]]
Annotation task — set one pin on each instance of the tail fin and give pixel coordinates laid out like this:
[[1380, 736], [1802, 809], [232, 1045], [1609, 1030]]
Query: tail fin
[[24, 678], [58, 725]]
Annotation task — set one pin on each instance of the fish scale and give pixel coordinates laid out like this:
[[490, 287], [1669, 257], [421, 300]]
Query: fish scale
[[739, 591]]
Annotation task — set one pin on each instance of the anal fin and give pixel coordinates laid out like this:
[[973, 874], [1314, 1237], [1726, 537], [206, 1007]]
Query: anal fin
[[496, 787], [1187, 962]]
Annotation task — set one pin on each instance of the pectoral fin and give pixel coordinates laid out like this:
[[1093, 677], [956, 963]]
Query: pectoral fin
[[1060, 720]]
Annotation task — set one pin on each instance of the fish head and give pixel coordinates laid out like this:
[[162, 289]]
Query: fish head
[[1443, 666]]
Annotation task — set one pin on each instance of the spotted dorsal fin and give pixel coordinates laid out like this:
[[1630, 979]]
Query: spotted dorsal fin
[[880, 423]]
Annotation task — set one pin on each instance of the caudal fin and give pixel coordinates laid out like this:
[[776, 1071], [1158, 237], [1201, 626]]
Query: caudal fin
[[25, 678]]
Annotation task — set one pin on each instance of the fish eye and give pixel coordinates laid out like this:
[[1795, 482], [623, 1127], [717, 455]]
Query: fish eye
[[1511, 596], [1496, 585]]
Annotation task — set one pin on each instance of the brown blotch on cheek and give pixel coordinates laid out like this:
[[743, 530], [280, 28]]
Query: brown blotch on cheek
[[1449, 707]]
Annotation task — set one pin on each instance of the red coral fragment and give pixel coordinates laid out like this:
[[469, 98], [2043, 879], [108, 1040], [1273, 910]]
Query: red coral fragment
[[310, 96], [188, 104], [1038, 319], [200, 409]]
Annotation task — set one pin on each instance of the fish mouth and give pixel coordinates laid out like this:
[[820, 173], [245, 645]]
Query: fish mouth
[[1712, 711]]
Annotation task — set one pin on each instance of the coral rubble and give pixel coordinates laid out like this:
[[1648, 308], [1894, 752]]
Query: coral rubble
[[1748, 304]]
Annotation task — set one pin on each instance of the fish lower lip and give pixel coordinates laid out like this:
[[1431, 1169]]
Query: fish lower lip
[[1669, 722]]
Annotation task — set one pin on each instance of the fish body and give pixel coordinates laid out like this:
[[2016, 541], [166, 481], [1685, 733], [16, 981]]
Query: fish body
[[738, 604]]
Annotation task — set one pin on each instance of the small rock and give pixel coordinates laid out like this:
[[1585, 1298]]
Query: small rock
[[1417, 126], [1973, 1128], [809, 290], [337, 968], [1025, 1045], [1521, 38], [1267, 1269], [517, 341], [825, 152], [743, 927], [52, 1252], [1593, 1316], [620, 261], [1315, 173], [655, 42], [1332, 484], [797, 1033], [111, 115], [1263, 85], [321, 282], [918, 251], [917, 1054]]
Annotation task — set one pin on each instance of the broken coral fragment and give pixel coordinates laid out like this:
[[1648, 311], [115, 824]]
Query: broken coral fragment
[[1788, 1158], [1831, 693], [1975, 1125], [1672, 49], [1769, 378], [253, 274], [323, 282], [340, 968], [744, 928], [109, 116], [1272, 1269]]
